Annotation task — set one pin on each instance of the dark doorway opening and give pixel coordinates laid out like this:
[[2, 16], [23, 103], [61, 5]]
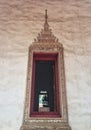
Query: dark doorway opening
[[45, 86]]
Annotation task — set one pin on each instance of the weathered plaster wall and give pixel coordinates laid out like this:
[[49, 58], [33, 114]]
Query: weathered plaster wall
[[20, 21]]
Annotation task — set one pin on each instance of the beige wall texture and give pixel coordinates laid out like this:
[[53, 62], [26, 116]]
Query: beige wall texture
[[20, 22]]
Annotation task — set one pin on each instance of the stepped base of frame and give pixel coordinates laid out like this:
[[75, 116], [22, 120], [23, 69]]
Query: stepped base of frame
[[46, 126]]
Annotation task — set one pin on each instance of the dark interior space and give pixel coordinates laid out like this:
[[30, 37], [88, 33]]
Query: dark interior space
[[44, 81]]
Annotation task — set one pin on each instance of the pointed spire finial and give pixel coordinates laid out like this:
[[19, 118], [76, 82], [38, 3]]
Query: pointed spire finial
[[46, 26], [46, 36], [46, 17]]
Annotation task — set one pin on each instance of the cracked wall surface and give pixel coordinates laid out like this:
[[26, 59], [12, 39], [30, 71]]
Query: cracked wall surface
[[20, 22]]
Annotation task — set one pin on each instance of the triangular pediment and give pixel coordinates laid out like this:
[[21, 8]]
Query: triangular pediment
[[46, 35]]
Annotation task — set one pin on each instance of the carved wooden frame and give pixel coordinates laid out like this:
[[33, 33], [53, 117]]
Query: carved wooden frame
[[46, 42], [45, 57], [52, 48]]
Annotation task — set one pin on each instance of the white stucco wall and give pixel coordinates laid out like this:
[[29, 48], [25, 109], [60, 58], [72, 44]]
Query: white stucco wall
[[20, 21]]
